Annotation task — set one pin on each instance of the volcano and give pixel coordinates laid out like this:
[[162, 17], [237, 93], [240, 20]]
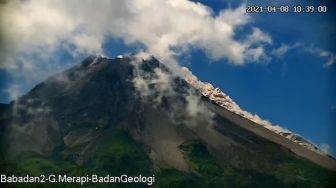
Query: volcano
[[128, 115]]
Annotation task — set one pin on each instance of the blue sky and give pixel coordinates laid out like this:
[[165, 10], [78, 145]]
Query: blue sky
[[294, 89]]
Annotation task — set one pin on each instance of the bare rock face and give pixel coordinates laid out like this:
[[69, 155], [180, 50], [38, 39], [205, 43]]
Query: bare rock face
[[223, 100]]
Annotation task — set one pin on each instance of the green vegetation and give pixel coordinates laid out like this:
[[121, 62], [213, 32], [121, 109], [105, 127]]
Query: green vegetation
[[117, 153], [304, 173], [211, 173], [283, 170], [198, 158], [169, 178]]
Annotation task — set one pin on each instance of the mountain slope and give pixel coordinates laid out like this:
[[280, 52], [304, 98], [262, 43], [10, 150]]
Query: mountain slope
[[223, 100], [134, 116]]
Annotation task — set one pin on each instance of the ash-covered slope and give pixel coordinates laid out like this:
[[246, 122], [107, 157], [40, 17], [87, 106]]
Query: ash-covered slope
[[134, 116], [223, 100]]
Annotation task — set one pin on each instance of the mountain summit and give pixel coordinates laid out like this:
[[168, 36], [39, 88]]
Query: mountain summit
[[133, 116]]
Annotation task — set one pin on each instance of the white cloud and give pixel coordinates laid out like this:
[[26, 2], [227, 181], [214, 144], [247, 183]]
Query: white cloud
[[281, 51], [258, 36], [34, 31], [329, 56], [310, 49]]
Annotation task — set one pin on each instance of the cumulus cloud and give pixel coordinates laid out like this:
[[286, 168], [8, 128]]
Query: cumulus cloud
[[34, 31], [158, 25]]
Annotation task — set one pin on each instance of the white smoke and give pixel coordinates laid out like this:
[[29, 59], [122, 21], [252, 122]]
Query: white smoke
[[154, 87], [223, 100], [197, 109], [216, 95], [325, 148]]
